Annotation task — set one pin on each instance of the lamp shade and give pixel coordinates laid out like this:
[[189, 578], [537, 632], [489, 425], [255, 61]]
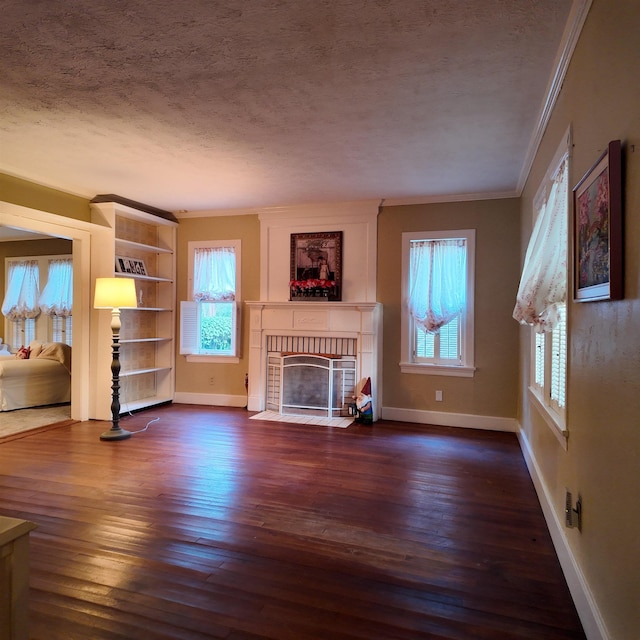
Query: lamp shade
[[114, 293]]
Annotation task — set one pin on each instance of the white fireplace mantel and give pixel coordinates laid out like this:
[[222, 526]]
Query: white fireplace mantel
[[358, 320]]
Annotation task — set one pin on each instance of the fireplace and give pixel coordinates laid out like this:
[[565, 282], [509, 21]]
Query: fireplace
[[347, 335], [310, 385]]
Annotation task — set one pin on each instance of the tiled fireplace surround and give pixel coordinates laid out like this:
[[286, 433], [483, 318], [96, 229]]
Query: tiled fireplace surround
[[357, 317]]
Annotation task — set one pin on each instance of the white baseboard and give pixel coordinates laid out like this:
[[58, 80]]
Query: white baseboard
[[443, 419], [590, 617], [210, 399]]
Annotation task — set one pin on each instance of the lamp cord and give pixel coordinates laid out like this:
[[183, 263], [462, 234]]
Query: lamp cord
[[146, 426]]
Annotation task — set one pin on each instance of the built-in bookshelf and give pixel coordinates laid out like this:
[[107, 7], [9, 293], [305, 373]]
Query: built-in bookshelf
[[147, 337]]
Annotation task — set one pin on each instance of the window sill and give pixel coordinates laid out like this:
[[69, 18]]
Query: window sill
[[195, 357], [437, 369], [551, 418]]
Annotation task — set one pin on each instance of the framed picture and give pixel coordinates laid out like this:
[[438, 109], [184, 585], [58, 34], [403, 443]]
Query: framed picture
[[597, 229], [132, 266], [316, 265]]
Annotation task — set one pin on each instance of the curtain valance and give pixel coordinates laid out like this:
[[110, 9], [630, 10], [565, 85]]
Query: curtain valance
[[57, 296], [23, 290], [214, 274], [543, 285]]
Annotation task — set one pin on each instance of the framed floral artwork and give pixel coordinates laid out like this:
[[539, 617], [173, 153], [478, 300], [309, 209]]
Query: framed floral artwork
[[316, 266], [598, 256]]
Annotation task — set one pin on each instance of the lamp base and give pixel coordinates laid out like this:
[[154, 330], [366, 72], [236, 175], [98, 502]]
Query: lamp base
[[115, 434]]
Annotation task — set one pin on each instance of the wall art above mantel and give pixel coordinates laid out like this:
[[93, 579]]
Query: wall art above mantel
[[316, 266]]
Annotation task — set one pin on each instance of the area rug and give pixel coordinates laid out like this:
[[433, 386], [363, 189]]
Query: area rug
[[315, 421], [22, 422]]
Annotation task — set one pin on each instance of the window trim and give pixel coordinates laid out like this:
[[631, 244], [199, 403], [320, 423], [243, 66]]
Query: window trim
[[214, 244], [550, 417], [466, 369]]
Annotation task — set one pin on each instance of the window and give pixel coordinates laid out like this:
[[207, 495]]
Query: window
[[437, 310], [209, 320], [20, 304], [442, 346], [549, 363], [61, 329], [542, 296], [56, 300]]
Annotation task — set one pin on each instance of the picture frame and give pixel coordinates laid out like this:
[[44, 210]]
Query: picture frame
[[597, 229], [316, 266], [131, 266]]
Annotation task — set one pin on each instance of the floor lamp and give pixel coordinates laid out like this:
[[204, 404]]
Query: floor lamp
[[114, 294]]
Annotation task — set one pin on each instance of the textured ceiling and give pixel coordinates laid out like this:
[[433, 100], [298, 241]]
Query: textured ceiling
[[202, 104]]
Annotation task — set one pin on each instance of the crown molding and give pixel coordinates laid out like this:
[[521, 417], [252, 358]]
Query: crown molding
[[573, 29], [461, 197], [215, 213], [345, 208], [326, 209], [357, 207]]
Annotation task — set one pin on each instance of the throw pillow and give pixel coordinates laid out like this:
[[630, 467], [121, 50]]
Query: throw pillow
[[23, 353]]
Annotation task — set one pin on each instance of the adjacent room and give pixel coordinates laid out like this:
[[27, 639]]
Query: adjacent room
[[319, 319]]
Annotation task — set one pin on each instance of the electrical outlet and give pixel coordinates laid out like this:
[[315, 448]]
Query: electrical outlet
[[438, 396]]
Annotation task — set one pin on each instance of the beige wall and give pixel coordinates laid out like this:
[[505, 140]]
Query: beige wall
[[28, 194], [600, 99], [492, 391], [228, 378]]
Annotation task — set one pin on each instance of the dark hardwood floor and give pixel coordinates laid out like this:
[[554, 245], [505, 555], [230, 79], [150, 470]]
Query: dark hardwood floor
[[211, 525]]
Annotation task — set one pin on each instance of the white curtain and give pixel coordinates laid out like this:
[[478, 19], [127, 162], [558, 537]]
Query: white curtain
[[543, 285], [21, 298], [214, 274], [438, 282], [57, 296]]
